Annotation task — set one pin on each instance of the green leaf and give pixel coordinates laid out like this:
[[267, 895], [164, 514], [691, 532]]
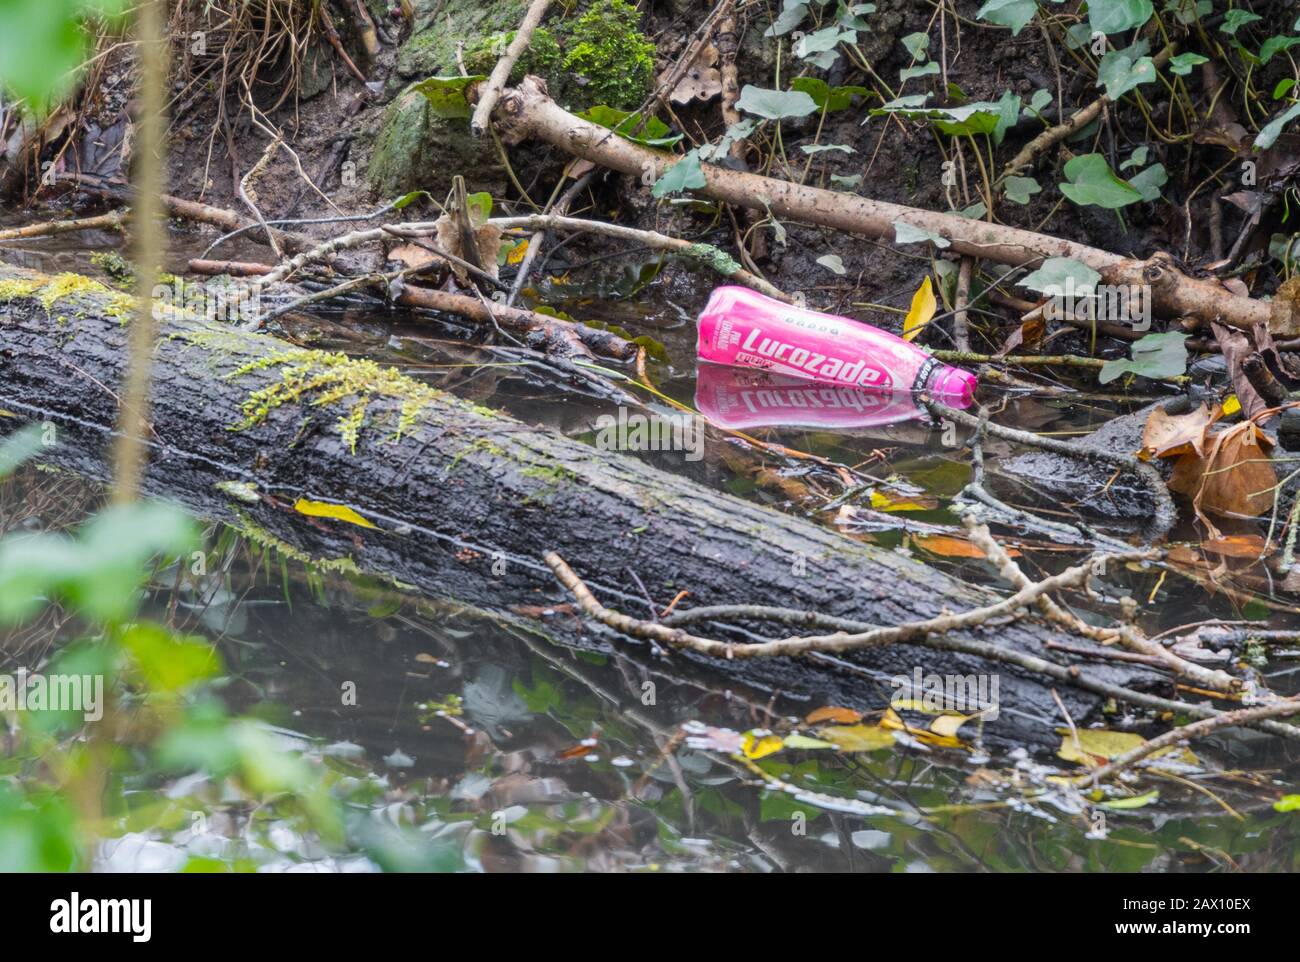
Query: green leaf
[[1137, 158], [43, 44], [792, 14], [826, 97], [1287, 803], [1092, 182], [1059, 275], [479, 207], [447, 95], [918, 45], [1269, 135], [1154, 356], [1008, 113], [1137, 801], [775, 104], [1183, 63], [911, 73], [1148, 182], [686, 174], [169, 663], [1019, 190], [1008, 13], [1234, 20], [20, 447], [974, 118], [1116, 16], [1119, 73], [905, 233], [824, 41], [655, 133]]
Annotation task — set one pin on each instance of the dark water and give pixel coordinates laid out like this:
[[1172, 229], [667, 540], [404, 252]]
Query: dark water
[[478, 745]]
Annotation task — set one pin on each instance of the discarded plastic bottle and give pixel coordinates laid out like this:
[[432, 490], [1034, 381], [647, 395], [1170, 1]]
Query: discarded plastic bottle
[[743, 328], [742, 398]]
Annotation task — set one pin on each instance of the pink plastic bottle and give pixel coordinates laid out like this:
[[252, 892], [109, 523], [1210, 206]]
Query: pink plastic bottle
[[747, 329], [741, 398]]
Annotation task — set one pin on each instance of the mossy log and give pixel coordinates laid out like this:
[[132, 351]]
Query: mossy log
[[464, 501]]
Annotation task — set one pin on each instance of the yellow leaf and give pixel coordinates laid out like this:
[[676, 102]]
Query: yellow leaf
[[922, 309], [323, 509], [517, 253], [1101, 746], [756, 747], [883, 501], [857, 738], [1231, 405], [945, 726]]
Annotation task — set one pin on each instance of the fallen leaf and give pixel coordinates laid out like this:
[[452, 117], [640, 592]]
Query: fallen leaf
[[949, 546], [702, 81], [760, 746], [858, 738], [947, 726], [1171, 435], [888, 501], [923, 307], [843, 716], [1238, 546], [1137, 801], [1099, 745], [1234, 476], [324, 509]]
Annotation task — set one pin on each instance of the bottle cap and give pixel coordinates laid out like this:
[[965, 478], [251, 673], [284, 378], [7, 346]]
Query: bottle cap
[[956, 385]]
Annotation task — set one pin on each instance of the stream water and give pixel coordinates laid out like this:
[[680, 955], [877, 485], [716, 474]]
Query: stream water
[[474, 745]]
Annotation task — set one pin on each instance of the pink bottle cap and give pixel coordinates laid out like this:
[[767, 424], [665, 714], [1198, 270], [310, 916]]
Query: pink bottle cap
[[956, 385]]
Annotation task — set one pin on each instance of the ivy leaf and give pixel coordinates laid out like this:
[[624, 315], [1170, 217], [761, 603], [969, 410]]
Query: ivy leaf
[[828, 98], [974, 118], [1059, 275], [1091, 181], [775, 104], [918, 45], [1234, 20], [1119, 73], [911, 73], [1183, 63], [1019, 190], [686, 174], [1269, 135], [822, 42], [1008, 113], [1275, 45], [1116, 16], [1008, 13], [905, 233], [655, 133], [447, 95], [1148, 182], [1137, 158], [1154, 356], [792, 14]]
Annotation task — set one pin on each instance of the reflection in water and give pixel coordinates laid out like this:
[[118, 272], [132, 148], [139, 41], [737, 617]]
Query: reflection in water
[[739, 398]]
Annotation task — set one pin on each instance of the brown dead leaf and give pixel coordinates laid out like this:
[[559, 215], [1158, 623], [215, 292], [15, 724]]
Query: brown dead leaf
[[1171, 435], [487, 238], [1233, 476], [841, 716], [411, 256], [953, 547], [1027, 334], [1238, 546], [1236, 347]]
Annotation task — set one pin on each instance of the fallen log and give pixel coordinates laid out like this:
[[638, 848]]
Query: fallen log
[[463, 503], [526, 111]]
